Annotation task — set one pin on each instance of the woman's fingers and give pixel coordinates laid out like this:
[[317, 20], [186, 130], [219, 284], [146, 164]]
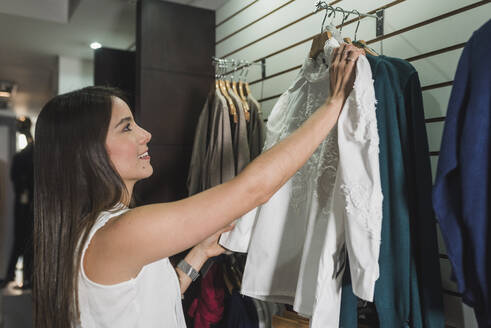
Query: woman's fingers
[[353, 55], [337, 54], [342, 70]]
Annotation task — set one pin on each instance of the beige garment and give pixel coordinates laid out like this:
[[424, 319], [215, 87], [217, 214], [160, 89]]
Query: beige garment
[[212, 159], [239, 136], [255, 128], [241, 144]]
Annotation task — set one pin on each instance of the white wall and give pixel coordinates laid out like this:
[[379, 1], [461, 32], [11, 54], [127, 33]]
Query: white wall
[[280, 31], [74, 73]]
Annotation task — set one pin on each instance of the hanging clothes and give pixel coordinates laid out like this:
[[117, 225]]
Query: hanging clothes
[[240, 143], [461, 192], [297, 223], [239, 135], [237, 240], [208, 308], [220, 152], [408, 292], [266, 311], [255, 128], [356, 204], [212, 159], [422, 219], [240, 312]]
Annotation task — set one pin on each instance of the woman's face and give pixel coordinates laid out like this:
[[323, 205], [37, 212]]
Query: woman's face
[[126, 144]]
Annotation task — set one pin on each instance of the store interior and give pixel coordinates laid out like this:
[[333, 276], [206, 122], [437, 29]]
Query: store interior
[[170, 57]]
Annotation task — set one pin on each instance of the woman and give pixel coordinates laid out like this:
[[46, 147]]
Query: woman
[[101, 264]]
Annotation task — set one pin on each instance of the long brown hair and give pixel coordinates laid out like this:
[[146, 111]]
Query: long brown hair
[[74, 181]]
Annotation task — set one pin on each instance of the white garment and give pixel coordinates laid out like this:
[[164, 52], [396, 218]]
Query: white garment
[[322, 212], [152, 299]]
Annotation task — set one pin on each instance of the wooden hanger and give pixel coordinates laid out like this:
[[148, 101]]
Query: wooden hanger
[[241, 91], [248, 88], [368, 49], [245, 106], [244, 98], [217, 86], [348, 41], [221, 87], [231, 106], [232, 87], [318, 43], [363, 45]]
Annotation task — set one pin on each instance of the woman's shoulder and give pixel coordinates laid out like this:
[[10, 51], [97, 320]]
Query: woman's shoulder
[[105, 215]]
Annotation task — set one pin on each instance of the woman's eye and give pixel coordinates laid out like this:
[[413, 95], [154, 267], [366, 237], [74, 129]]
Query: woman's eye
[[127, 127]]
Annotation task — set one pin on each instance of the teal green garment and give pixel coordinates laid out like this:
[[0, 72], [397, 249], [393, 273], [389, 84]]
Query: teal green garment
[[423, 222], [397, 292]]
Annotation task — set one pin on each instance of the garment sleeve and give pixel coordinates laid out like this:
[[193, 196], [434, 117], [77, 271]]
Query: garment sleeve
[[461, 193], [447, 188], [358, 182], [219, 164], [199, 150], [239, 238], [423, 224]]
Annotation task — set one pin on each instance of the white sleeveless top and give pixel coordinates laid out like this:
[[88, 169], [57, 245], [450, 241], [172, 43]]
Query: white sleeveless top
[[152, 299]]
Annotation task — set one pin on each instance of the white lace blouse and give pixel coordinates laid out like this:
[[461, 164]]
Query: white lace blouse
[[298, 241]]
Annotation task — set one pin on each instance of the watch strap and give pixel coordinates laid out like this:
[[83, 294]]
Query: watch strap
[[188, 270]]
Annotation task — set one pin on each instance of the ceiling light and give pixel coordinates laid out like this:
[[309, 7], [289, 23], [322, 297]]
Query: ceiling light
[[95, 45]]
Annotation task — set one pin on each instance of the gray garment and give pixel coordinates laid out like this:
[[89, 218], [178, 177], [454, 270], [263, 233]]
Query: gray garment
[[266, 311], [255, 128], [239, 136], [212, 159]]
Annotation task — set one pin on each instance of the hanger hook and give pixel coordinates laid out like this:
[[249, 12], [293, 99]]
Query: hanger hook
[[345, 17], [247, 71], [241, 69], [324, 21], [333, 14], [222, 68], [358, 23], [237, 65]]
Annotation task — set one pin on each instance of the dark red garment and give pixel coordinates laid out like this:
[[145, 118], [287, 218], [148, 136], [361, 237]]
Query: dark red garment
[[208, 308]]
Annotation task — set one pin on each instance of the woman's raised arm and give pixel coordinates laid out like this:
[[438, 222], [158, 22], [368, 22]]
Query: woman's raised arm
[[152, 232]]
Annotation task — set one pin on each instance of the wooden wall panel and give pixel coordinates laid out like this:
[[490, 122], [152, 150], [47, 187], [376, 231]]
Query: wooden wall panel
[[116, 68], [176, 38], [173, 113], [175, 44]]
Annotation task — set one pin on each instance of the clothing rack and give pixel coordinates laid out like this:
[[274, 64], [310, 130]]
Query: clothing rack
[[320, 5], [330, 10], [234, 65]]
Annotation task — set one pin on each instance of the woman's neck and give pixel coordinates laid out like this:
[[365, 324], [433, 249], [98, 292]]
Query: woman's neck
[[126, 197]]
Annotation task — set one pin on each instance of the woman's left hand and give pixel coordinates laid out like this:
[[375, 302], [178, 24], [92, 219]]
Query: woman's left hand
[[210, 246]]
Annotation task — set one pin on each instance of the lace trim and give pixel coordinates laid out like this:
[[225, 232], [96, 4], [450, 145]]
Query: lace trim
[[364, 117], [319, 172], [363, 205]]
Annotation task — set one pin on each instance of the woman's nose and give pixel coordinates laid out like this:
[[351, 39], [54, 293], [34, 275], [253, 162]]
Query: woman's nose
[[146, 136]]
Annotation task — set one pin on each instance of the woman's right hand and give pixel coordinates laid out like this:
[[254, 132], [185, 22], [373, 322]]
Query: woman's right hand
[[342, 71]]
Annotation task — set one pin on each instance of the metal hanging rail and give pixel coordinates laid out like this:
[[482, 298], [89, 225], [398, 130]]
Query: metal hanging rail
[[322, 5], [235, 65]]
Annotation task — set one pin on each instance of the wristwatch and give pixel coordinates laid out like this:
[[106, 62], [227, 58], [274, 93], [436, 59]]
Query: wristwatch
[[188, 270]]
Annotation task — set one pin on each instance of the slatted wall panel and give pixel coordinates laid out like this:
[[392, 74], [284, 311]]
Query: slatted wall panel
[[429, 34]]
